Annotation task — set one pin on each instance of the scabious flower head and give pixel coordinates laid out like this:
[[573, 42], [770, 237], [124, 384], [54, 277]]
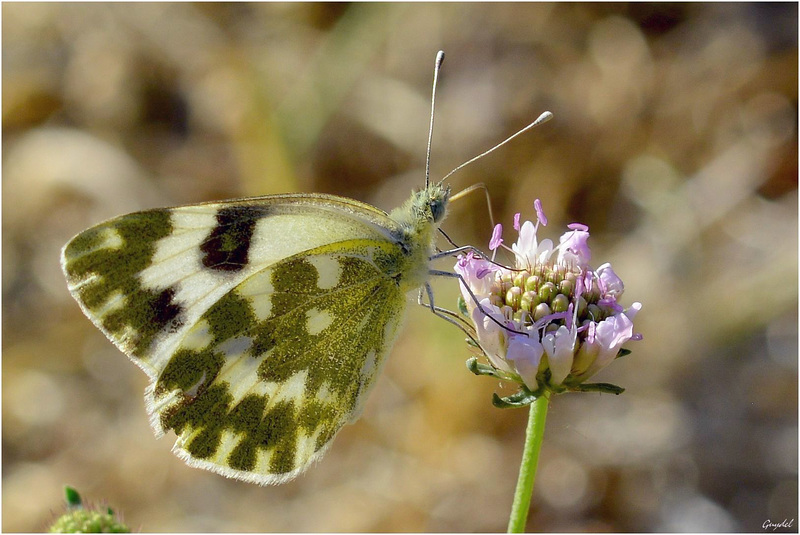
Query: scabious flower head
[[551, 321], [80, 518]]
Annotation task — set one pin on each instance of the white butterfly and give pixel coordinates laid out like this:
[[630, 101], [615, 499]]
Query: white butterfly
[[261, 322]]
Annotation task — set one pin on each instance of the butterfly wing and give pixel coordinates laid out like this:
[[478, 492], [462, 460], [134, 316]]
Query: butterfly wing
[[261, 323]]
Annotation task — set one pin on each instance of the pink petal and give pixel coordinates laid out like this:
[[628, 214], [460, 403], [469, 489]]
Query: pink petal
[[537, 205], [525, 353], [497, 237]]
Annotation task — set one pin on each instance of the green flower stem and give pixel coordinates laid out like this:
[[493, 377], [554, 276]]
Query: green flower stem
[[530, 459]]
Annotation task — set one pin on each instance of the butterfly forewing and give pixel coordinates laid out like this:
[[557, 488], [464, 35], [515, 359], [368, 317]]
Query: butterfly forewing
[[261, 323]]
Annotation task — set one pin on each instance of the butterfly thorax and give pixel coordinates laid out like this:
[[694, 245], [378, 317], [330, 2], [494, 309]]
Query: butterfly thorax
[[419, 218]]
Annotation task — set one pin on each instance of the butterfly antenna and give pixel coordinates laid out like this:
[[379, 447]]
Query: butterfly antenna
[[437, 66], [543, 118]]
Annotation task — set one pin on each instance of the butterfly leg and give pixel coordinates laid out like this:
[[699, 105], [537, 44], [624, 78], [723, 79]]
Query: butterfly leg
[[447, 315], [467, 249], [439, 273], [444, 313]]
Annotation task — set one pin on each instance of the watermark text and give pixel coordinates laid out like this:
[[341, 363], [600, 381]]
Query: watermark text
[[774, 526]]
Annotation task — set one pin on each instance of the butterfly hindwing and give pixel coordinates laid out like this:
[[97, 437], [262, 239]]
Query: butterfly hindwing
[[261, 323]]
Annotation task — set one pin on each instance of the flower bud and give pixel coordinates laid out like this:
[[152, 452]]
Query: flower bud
[[532, 283], [547, 291], [560, 303], [513, 296], [582, 306], [541, 310], [566, 286], [529, 301]]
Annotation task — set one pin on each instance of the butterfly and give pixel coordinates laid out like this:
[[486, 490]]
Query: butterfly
[[262, 323]]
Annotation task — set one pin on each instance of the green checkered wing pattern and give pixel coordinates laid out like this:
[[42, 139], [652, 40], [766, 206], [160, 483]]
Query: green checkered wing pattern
[[261, 322]]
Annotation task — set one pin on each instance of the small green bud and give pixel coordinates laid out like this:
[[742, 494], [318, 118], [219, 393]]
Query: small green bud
[[532, 283], [72, 497], [560, 303], [547, 291], [551, 328], [566, 286], [541, 310], [513, 296], [529, 300], [582, 305]]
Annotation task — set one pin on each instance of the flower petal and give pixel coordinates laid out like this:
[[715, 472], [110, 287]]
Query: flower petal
[[491, 336], [525, 353], [477, 274], [526, 245], [559, 347], [573, 248], [610, 334], [537, 205], [497, 237], [609, 282]]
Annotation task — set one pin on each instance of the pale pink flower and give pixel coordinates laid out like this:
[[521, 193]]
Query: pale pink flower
[[552, 321]]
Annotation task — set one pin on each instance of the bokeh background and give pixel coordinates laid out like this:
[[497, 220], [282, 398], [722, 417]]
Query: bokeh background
[[674, 139]]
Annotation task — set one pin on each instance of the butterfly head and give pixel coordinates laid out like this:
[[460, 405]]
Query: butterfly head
[[422, 214], [433, 202]]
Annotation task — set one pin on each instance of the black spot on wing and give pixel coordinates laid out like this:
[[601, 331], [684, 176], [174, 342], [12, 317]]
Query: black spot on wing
[[227, 247], [148, 313], [166, 312]]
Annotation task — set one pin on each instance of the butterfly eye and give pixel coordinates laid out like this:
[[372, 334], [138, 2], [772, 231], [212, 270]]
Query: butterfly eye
[[437, 209]]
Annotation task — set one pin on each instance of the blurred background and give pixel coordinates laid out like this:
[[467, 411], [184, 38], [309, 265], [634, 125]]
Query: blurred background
[[674, 139]]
